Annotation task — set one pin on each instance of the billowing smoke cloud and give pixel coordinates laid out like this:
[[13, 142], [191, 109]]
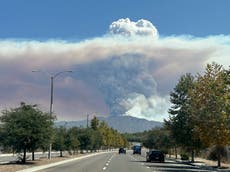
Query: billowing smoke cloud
[[126, 72], [138, 105], [120, 78], [125, 27]]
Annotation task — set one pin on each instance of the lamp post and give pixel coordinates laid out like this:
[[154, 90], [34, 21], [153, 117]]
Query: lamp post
[[52, 77]]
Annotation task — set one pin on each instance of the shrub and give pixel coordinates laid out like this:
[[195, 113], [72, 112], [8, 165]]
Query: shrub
[[213, 154], [184, 157]]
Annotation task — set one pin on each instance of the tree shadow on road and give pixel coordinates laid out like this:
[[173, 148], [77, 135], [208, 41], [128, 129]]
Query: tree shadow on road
[[172, 166]]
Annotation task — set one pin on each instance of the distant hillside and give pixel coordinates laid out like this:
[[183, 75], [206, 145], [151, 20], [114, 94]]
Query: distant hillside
[[124, 124]]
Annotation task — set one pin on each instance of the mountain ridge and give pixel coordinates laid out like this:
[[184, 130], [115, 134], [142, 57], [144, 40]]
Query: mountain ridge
[[123, 124]]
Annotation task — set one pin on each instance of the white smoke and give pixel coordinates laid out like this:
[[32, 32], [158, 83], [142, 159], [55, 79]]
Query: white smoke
[[125, 27], [152, 108]]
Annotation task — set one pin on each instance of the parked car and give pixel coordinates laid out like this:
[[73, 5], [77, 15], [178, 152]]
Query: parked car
[[122, 150], [155, 155]]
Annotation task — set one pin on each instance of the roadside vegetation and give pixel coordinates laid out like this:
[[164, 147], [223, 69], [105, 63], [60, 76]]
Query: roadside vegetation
[[27, 129], [199, 120]]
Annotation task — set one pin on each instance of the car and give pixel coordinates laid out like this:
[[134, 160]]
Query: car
[[155, 155], [137, 149], [122, 151]]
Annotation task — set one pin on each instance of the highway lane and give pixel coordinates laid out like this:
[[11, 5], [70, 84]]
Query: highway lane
[[113, 162], [94, 164], [126, 163], [170, 165], [107, 162]]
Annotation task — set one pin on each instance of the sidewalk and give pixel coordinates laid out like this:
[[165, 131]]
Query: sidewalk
[[206, 164], [212, 164]]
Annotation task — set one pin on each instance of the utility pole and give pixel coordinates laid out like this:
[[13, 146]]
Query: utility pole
[[52, 77], [87, 120]]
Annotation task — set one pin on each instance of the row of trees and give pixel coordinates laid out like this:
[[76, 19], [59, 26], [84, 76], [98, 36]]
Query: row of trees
[[98, 136], [200, 111], [27, 129], [157, 138]]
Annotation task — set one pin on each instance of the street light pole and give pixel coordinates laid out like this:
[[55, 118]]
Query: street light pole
[[51, 94], [51, 109], [52, 77]]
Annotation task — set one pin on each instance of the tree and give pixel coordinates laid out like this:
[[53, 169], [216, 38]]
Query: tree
[[72, 142], [180, 120], [26, 128], [158, 138], [84, 137], [211, 106], [134, 137], [94, 123], [60, 135], [96, 140], [111, 137], [179, 111], [104, 129]]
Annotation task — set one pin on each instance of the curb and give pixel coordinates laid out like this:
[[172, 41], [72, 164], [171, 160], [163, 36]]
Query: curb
[[201, 165], [41, 167]]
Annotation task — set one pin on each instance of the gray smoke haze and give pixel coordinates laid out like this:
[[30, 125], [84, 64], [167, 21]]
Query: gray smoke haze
[[120, 79], [128, 71]]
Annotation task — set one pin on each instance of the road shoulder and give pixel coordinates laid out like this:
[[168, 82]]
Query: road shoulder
[[42, 163]]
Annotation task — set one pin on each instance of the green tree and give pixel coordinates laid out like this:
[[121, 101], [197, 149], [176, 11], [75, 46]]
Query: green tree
[[158, 138], [111, 137], [134, 137], [107, 135], [59, 143], [103, 129], [96, 140], [210, 104], [84, 137], [180, 119], [95, 123], [72, 141], [26, 128]]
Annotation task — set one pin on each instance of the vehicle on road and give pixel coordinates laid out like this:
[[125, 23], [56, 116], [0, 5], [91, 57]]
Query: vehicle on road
[[155, 155], [122, 151], [137, 149]]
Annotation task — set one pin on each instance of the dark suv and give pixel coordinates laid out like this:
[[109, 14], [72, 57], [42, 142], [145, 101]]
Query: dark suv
[[155, 155], [122, 150]]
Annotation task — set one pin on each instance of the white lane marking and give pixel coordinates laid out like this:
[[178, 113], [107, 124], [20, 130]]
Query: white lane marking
[[107, 163]]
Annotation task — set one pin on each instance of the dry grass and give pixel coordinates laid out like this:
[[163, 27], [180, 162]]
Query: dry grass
[[13, 167], [212, 163]]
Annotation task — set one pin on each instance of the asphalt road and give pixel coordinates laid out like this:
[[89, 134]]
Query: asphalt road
[[113, 162]]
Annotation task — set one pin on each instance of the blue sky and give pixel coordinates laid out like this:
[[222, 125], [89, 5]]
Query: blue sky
[[126, 55], [80, 19]]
